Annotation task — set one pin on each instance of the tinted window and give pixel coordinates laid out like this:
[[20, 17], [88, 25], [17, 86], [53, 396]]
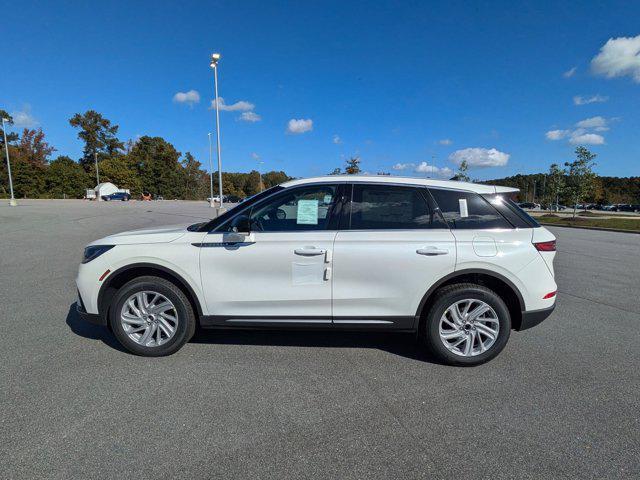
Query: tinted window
[[467, 210], [297, 209], [386, 207], [511, 211]]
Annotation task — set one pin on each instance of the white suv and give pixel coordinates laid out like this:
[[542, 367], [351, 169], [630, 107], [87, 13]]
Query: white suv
[[458, 263]]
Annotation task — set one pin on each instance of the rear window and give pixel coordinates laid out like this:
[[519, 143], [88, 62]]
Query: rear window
[[511, 211], [467, 210]]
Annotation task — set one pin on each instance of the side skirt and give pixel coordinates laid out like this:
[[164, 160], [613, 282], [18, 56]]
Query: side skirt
[[313, 323]]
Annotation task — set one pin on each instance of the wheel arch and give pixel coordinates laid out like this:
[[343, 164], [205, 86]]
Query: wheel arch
[[493, 280], [124, 274]]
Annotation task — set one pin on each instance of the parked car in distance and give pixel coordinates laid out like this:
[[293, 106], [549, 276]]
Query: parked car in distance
[[529, 205], [458, 264], [622, 207], [554, 207], [122, 196]]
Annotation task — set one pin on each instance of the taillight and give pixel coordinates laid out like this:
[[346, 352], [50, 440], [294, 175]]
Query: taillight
[[550, 295], [546, 246]]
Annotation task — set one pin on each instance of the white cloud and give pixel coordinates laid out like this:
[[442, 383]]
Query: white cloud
[[593, 122], [403, 166], [556, 134], [432, 170], [580, 100], [619, 57], [480, 157], [255, 156], [189, 98], [445, 141], [337, 140], [249, 117], [23, 118], [298, 126], [586, 139], [240, 106], [570, 73]]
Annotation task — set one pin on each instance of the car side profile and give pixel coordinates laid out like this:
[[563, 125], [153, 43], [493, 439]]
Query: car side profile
[[122, 196], [457, 263]]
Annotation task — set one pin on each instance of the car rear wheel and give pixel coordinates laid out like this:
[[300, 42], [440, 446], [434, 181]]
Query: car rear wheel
[[467, 325], [151, 316]]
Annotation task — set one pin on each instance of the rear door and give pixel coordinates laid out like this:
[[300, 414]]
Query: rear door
[[391, 247]]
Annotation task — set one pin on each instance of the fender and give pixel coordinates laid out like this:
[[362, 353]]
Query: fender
[[155, 266], [469, 271]]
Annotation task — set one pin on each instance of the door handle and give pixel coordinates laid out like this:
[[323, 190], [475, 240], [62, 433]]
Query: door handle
[[309, 251], [431, 251]]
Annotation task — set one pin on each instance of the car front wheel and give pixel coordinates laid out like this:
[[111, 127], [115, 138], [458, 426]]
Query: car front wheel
[[467, 325], [151, 316]]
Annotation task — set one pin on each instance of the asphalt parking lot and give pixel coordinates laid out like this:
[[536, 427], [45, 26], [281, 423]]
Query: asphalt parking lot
[[562, 400]]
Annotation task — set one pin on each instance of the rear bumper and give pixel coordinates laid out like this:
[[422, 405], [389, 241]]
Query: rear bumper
[[534, 317]]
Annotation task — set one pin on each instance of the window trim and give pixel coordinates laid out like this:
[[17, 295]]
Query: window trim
[[332, 223]]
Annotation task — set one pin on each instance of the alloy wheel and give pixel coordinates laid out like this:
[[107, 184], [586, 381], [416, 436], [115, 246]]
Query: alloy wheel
[[469, 327], [149, 318]]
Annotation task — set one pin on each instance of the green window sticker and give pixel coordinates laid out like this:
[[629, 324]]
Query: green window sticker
[[307, 212]]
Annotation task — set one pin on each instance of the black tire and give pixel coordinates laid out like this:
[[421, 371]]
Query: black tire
[[447, 296], [186, 318]]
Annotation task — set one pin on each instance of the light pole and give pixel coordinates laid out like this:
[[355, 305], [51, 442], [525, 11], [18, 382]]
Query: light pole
[[215, 58], [12, 200], [95, 159], [210, 170]]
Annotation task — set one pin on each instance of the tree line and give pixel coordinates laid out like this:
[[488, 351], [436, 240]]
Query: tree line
[[149, 164]]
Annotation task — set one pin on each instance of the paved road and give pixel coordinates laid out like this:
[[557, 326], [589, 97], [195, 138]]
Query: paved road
[[562, 400]]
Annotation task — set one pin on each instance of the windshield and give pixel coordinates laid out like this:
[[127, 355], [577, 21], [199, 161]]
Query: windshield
[[212, 224]]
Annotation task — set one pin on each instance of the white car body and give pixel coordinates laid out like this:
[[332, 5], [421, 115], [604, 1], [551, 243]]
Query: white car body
[[333, 277]]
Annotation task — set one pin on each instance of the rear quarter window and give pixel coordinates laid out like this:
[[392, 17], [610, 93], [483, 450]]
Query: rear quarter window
[[467, 210]]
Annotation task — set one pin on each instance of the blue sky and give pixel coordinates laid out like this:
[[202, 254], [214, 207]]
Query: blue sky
[[398, 83]]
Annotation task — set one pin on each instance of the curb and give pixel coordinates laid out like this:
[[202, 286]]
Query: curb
[[602, 229]]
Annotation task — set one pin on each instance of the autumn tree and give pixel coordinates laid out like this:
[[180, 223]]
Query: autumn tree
[[353, 166]]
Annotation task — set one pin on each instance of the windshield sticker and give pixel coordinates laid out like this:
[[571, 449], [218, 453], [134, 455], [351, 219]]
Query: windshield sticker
[[307, 212]]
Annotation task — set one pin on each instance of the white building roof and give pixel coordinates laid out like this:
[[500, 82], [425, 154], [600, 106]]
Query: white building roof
[[452, 184]]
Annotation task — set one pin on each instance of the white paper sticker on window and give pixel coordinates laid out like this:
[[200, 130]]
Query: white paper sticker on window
[[307, 212], [327, 200], [464, 210]]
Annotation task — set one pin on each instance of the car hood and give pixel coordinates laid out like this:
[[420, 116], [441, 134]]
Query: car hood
[[146, 235]]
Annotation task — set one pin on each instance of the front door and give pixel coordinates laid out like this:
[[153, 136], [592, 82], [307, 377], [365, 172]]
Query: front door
[[393, 247], [282, 272]]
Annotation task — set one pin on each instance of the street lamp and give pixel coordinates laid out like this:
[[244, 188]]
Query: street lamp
[[210, 171], [12, 200], [95, 159], [215, 58]]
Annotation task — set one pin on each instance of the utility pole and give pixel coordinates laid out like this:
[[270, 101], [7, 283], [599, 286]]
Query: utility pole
[[95, 159], [12, 200], [215, 58], [210, 171]]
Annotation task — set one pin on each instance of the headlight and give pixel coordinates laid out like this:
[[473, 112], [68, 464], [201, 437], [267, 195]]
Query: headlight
[[94, 251]]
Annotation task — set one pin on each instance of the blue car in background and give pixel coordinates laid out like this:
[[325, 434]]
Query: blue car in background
[[122, 196]]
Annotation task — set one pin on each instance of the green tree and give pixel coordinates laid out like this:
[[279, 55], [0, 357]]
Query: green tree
[[273, 178], [11, 136], [66, 179], [461, 175], [195, 181], [156, 161], [353, 166], [581, 177], [121, 171], [98, 135], [556, 183]]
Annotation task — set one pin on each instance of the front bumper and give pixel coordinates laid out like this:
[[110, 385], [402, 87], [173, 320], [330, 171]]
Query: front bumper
[[94, 318], [534, 317]]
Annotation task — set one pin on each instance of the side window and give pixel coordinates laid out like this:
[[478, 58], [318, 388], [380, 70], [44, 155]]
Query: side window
[[467, 210], [300, 209], [388, 207]]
